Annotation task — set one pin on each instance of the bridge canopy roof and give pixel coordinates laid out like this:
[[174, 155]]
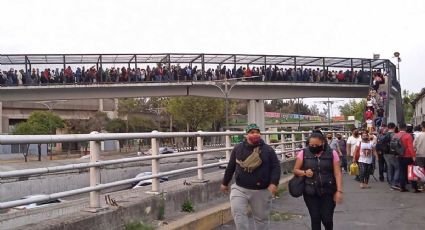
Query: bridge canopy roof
[[201, 58]]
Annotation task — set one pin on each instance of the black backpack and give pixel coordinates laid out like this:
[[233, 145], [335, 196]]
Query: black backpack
[[396, 147], [383, 142]]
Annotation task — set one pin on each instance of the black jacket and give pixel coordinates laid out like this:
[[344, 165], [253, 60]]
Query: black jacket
[[267, 173], [323, 180]]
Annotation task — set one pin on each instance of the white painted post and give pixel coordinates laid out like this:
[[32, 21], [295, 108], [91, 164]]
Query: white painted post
[[282, 145], [293, 143], [267, 139], [94, 174], [155, 164], [200, 157], [228, 145], [303, 138]]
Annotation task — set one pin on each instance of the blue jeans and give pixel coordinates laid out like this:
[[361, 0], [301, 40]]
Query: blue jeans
[[393, 169]]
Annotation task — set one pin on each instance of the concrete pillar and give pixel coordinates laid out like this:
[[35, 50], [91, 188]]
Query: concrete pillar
[[392, 110], [256, 113], [101, 105]]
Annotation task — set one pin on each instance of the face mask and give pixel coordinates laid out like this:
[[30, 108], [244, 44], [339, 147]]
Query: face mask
[[316, 149], [339, 138], [255, 139], [329, 138], [366, 139], [356, 133]]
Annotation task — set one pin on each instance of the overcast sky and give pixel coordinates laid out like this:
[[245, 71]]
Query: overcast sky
[[357, 28]]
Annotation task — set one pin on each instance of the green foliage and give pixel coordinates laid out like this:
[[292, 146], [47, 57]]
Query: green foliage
[[354, 108], [198, 112], [187, 206], [116, 125], [290, 106], [408, 97], [138, 226], [161, 206], [96, 123], [38, 123], [140, 124]]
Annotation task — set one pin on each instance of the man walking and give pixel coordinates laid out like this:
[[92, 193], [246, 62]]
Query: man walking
[[393, 167], [419, 146], [257, 173], [406, 158], [352, 142]]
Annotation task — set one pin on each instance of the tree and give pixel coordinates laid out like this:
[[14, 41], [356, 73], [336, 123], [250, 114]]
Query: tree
[[39, 123], [353, 108], [196, 112], [408, 110], [116, 125]]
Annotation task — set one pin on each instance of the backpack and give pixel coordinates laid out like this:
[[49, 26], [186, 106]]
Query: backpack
[[396, 147], [383, 142]]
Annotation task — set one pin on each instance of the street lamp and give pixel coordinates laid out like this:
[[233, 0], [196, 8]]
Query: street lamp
[[225, 89], [397, 55]]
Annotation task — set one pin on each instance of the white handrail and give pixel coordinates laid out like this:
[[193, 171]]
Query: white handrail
[[94, 163]]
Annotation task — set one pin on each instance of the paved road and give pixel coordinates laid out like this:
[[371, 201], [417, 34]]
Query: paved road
[[375, 208]]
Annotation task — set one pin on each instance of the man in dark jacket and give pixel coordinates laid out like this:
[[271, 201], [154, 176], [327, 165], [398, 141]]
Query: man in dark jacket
[[257, 173]]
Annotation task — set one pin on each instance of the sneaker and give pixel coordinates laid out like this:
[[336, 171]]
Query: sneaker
[[417, 191], [393, 187]]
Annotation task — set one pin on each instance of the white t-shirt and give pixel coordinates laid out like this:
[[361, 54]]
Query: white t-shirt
[[369, 123], [366, 154], [353, 142]]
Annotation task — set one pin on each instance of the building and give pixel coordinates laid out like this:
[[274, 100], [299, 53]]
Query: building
[[419, 108]]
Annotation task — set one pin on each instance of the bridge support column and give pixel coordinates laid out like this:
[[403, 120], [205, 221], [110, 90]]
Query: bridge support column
[[256, 113], [392, 110]]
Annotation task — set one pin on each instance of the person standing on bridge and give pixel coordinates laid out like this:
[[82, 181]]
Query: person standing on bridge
[[320, 165], [257, 174]]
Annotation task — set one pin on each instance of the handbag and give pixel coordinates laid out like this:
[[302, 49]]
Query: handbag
[[296, 186], [415, 173], [354, 169]]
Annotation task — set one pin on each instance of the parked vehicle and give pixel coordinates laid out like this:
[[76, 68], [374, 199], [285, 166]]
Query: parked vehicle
[[224, 165], [162, 150], [37, 204], [147, 181]]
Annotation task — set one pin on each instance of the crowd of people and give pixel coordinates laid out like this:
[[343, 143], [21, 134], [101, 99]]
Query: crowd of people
[[165, 73]]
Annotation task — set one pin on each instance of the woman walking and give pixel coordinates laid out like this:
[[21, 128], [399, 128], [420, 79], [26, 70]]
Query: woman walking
[[320, 166], [365, 151]]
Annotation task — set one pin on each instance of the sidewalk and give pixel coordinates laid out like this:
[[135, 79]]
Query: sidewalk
[[375, 208]]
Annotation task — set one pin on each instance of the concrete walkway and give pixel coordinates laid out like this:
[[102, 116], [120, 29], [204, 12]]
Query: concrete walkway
[[375, 208]]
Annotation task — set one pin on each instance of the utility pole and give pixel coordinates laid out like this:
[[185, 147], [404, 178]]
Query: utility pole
[[329, 104]]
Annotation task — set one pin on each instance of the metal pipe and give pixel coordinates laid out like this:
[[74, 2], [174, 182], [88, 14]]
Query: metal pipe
[[94, 173], [99, 187], [42, 139], [35, 171]]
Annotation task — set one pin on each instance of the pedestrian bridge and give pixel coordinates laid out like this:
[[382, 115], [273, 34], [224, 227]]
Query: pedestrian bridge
[[219, 89]]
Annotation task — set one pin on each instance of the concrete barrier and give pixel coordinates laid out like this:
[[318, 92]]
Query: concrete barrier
[[132, 205]]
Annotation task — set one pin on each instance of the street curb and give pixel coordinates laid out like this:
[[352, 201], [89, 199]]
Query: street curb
[[209, 218]]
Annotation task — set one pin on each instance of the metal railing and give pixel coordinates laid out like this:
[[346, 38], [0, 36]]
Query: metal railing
[[94, 165]]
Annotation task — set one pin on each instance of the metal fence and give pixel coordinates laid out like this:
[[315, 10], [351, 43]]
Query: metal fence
[[286, 146]]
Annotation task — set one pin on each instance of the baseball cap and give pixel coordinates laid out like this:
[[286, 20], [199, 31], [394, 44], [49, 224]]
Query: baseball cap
[[252, 126]]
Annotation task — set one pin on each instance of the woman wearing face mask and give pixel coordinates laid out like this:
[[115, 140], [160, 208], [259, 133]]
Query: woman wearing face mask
[[365, 150], [320, 166]]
